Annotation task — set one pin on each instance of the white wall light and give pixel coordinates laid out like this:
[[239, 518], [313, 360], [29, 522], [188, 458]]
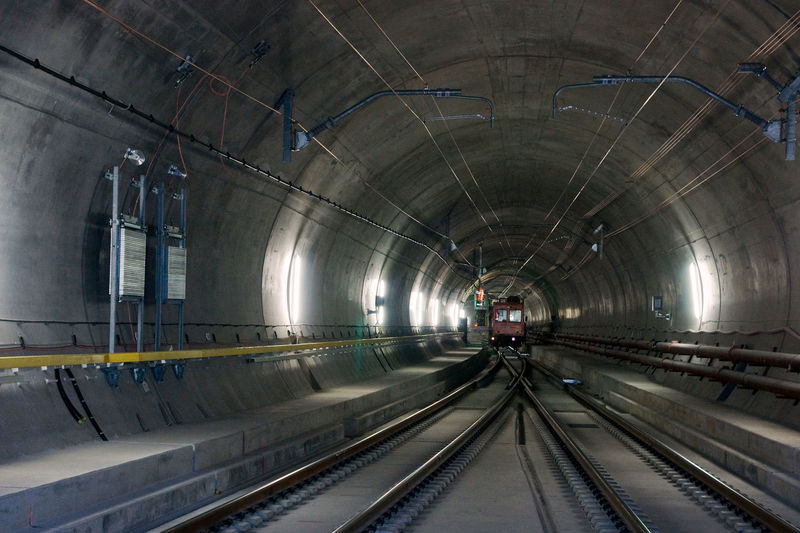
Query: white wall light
[[696, 287], [413, 312], [295, 290], [434, 306], [380, 302]]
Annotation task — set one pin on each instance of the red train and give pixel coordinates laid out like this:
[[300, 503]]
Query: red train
[[507, 322]]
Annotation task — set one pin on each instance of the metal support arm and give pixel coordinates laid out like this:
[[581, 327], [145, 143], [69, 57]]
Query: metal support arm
[[303, 138], [771, 129], [568, 88]]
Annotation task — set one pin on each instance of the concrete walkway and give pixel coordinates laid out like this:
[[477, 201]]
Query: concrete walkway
[[762, 452], [136, 481]]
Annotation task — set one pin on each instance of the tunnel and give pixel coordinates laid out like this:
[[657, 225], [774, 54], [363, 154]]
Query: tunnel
[[289, 198]]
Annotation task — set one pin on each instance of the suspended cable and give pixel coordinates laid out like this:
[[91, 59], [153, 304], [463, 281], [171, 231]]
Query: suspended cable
[[769, 46], [620, 134], [414, 113], [35, 63], [697, 181], [594, 138], [693, 184], [438, 109], [608, 111], [231, 87]]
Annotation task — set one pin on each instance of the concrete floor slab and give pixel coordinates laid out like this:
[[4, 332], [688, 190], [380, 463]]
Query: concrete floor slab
[[219, 454]]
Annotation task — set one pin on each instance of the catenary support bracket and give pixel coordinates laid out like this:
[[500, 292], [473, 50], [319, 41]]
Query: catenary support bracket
[[304, 138], [787, 94]]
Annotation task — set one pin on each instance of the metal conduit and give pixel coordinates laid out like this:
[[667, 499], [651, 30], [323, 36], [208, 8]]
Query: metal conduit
[[779, 387], [788, 361]]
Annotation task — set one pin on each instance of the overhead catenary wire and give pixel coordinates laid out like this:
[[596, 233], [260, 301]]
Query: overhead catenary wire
[[405, 104], [35, 63], [441, 115], [607, 114], [621, 131], [230, 87], [769, 46], [693, 184], [764, 50], [690, 186]]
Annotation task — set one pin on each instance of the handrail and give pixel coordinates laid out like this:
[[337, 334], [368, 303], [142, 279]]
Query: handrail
[[35, 361]]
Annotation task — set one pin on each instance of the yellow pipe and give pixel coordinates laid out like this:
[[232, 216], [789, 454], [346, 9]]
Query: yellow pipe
[[34, 361]]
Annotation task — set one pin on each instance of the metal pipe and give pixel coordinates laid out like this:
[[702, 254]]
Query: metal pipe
[[738, 109], [160, 261], [140, 303], [182, 244], [287, 99], [789, 361], [779, 387], [332, 121]]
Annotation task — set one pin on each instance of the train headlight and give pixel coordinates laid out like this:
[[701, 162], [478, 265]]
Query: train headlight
[[492, 338], [513, 339]]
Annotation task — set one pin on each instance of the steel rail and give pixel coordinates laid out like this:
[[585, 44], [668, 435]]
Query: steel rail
[[37, 361], [619, 506], [704, 477], [214, 516], [374, 511]]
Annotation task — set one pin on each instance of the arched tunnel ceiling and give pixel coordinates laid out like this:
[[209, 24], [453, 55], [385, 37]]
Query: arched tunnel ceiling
[[530, 184]]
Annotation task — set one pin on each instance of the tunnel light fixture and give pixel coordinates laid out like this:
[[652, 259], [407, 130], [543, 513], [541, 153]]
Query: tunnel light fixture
[[697, 290], [434, 306], [381, 290], [295, 289], [413, 308], [380, 301], [135, 156], [454, 314]]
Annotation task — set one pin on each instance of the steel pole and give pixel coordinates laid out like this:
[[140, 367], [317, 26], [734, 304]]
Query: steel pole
[[113, 289]]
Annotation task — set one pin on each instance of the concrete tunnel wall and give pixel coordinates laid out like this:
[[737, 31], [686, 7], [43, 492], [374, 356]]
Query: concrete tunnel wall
[[739, 227]]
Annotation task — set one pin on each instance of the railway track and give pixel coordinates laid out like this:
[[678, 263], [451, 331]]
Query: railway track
[[521, 453]]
